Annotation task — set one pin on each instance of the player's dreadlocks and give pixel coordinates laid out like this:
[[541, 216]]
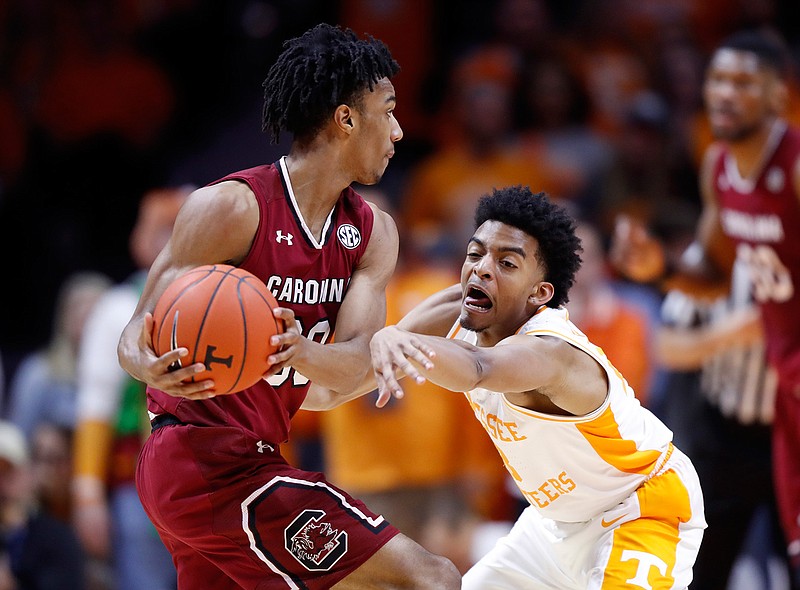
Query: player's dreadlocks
[[316, 72], [550, 224]]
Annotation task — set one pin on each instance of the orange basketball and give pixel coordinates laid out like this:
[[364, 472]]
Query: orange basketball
[[223, 316]]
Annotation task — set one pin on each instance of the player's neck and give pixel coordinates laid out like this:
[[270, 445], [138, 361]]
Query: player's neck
[[750, 152], [316, 183]]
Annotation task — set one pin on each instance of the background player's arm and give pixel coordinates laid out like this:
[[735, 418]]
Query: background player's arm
[[216, 225], [703, 269], [686, 349], [435, 315], [523, 367], [342, 367]]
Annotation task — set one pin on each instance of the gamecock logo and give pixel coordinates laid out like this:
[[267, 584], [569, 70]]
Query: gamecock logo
[[315, 544]]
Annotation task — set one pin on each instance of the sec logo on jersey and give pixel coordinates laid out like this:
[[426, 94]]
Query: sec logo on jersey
[[349, 236]]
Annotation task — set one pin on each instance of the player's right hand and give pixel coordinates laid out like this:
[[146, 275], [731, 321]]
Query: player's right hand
[[393, 349], [635, 253], [166, 372], [289, 342]]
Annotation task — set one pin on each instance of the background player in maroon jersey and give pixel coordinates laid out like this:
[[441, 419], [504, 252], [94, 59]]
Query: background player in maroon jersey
[[226, 504], [750, 181]]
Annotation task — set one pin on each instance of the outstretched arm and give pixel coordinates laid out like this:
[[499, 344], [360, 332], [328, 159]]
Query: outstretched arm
[[435, 315], [521, 366]]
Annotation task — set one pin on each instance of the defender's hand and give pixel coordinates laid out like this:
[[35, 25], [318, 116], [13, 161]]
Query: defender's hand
[[394, 349]]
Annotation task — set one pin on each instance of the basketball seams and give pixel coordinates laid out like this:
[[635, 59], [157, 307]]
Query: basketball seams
[[167, 319], [269, 299], [258, 288], [207, 311], [241, 280], [229, 322]]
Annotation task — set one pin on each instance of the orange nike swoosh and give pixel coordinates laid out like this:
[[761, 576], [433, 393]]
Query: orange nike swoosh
[[608, 523]]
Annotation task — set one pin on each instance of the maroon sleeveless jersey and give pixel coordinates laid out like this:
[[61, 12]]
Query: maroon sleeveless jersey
[[762, 216], [307, 276]]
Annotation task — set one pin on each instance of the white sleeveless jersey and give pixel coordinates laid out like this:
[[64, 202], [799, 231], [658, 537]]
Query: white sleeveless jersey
[[573, 468]]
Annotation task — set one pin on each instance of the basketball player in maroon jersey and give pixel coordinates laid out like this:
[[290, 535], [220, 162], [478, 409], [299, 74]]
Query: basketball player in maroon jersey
[[750, 181], [228, 507]]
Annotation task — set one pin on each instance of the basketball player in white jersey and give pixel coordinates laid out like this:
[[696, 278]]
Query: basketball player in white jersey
[[613, 504]]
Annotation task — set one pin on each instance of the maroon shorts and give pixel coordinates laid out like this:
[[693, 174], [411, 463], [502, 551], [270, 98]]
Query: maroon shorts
[[786, 465], [230, 508]]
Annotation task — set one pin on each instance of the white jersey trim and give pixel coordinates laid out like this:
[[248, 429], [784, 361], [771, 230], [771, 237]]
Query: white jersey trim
[[746, 185], [303, 225]]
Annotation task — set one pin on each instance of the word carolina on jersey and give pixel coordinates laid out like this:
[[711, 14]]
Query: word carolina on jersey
[[755, 228], [311, 291]]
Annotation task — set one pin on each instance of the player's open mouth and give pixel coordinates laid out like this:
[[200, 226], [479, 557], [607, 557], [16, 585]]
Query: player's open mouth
[[477, 299]]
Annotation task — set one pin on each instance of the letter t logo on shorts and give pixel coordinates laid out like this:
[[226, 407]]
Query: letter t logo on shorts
[[644, 562]]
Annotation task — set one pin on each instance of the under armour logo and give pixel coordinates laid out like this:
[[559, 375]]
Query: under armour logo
[[280, 237], [262, 445]]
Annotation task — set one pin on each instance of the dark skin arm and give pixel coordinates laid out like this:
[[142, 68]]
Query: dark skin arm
[[704, 268], [436, 315], [228, 214], [541, 372], [686, 349], [216, 225]]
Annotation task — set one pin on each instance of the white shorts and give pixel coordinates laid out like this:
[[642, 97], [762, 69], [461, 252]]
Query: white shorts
[[650, 541]]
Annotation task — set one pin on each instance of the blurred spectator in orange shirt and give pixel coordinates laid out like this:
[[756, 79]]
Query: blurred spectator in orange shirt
[[554, 117], [411, 46], [112, 422], [98, 83], [611, 322], [479, 150]]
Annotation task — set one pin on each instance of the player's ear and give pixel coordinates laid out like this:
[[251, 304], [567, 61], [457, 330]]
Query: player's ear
[[541, 293], [779, 97], [344, 118]]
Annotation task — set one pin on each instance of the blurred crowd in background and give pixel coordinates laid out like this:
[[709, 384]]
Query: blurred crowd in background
[[112, 110]]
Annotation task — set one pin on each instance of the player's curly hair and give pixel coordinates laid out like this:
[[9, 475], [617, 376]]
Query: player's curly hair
[[325, 67], [551, 226]]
